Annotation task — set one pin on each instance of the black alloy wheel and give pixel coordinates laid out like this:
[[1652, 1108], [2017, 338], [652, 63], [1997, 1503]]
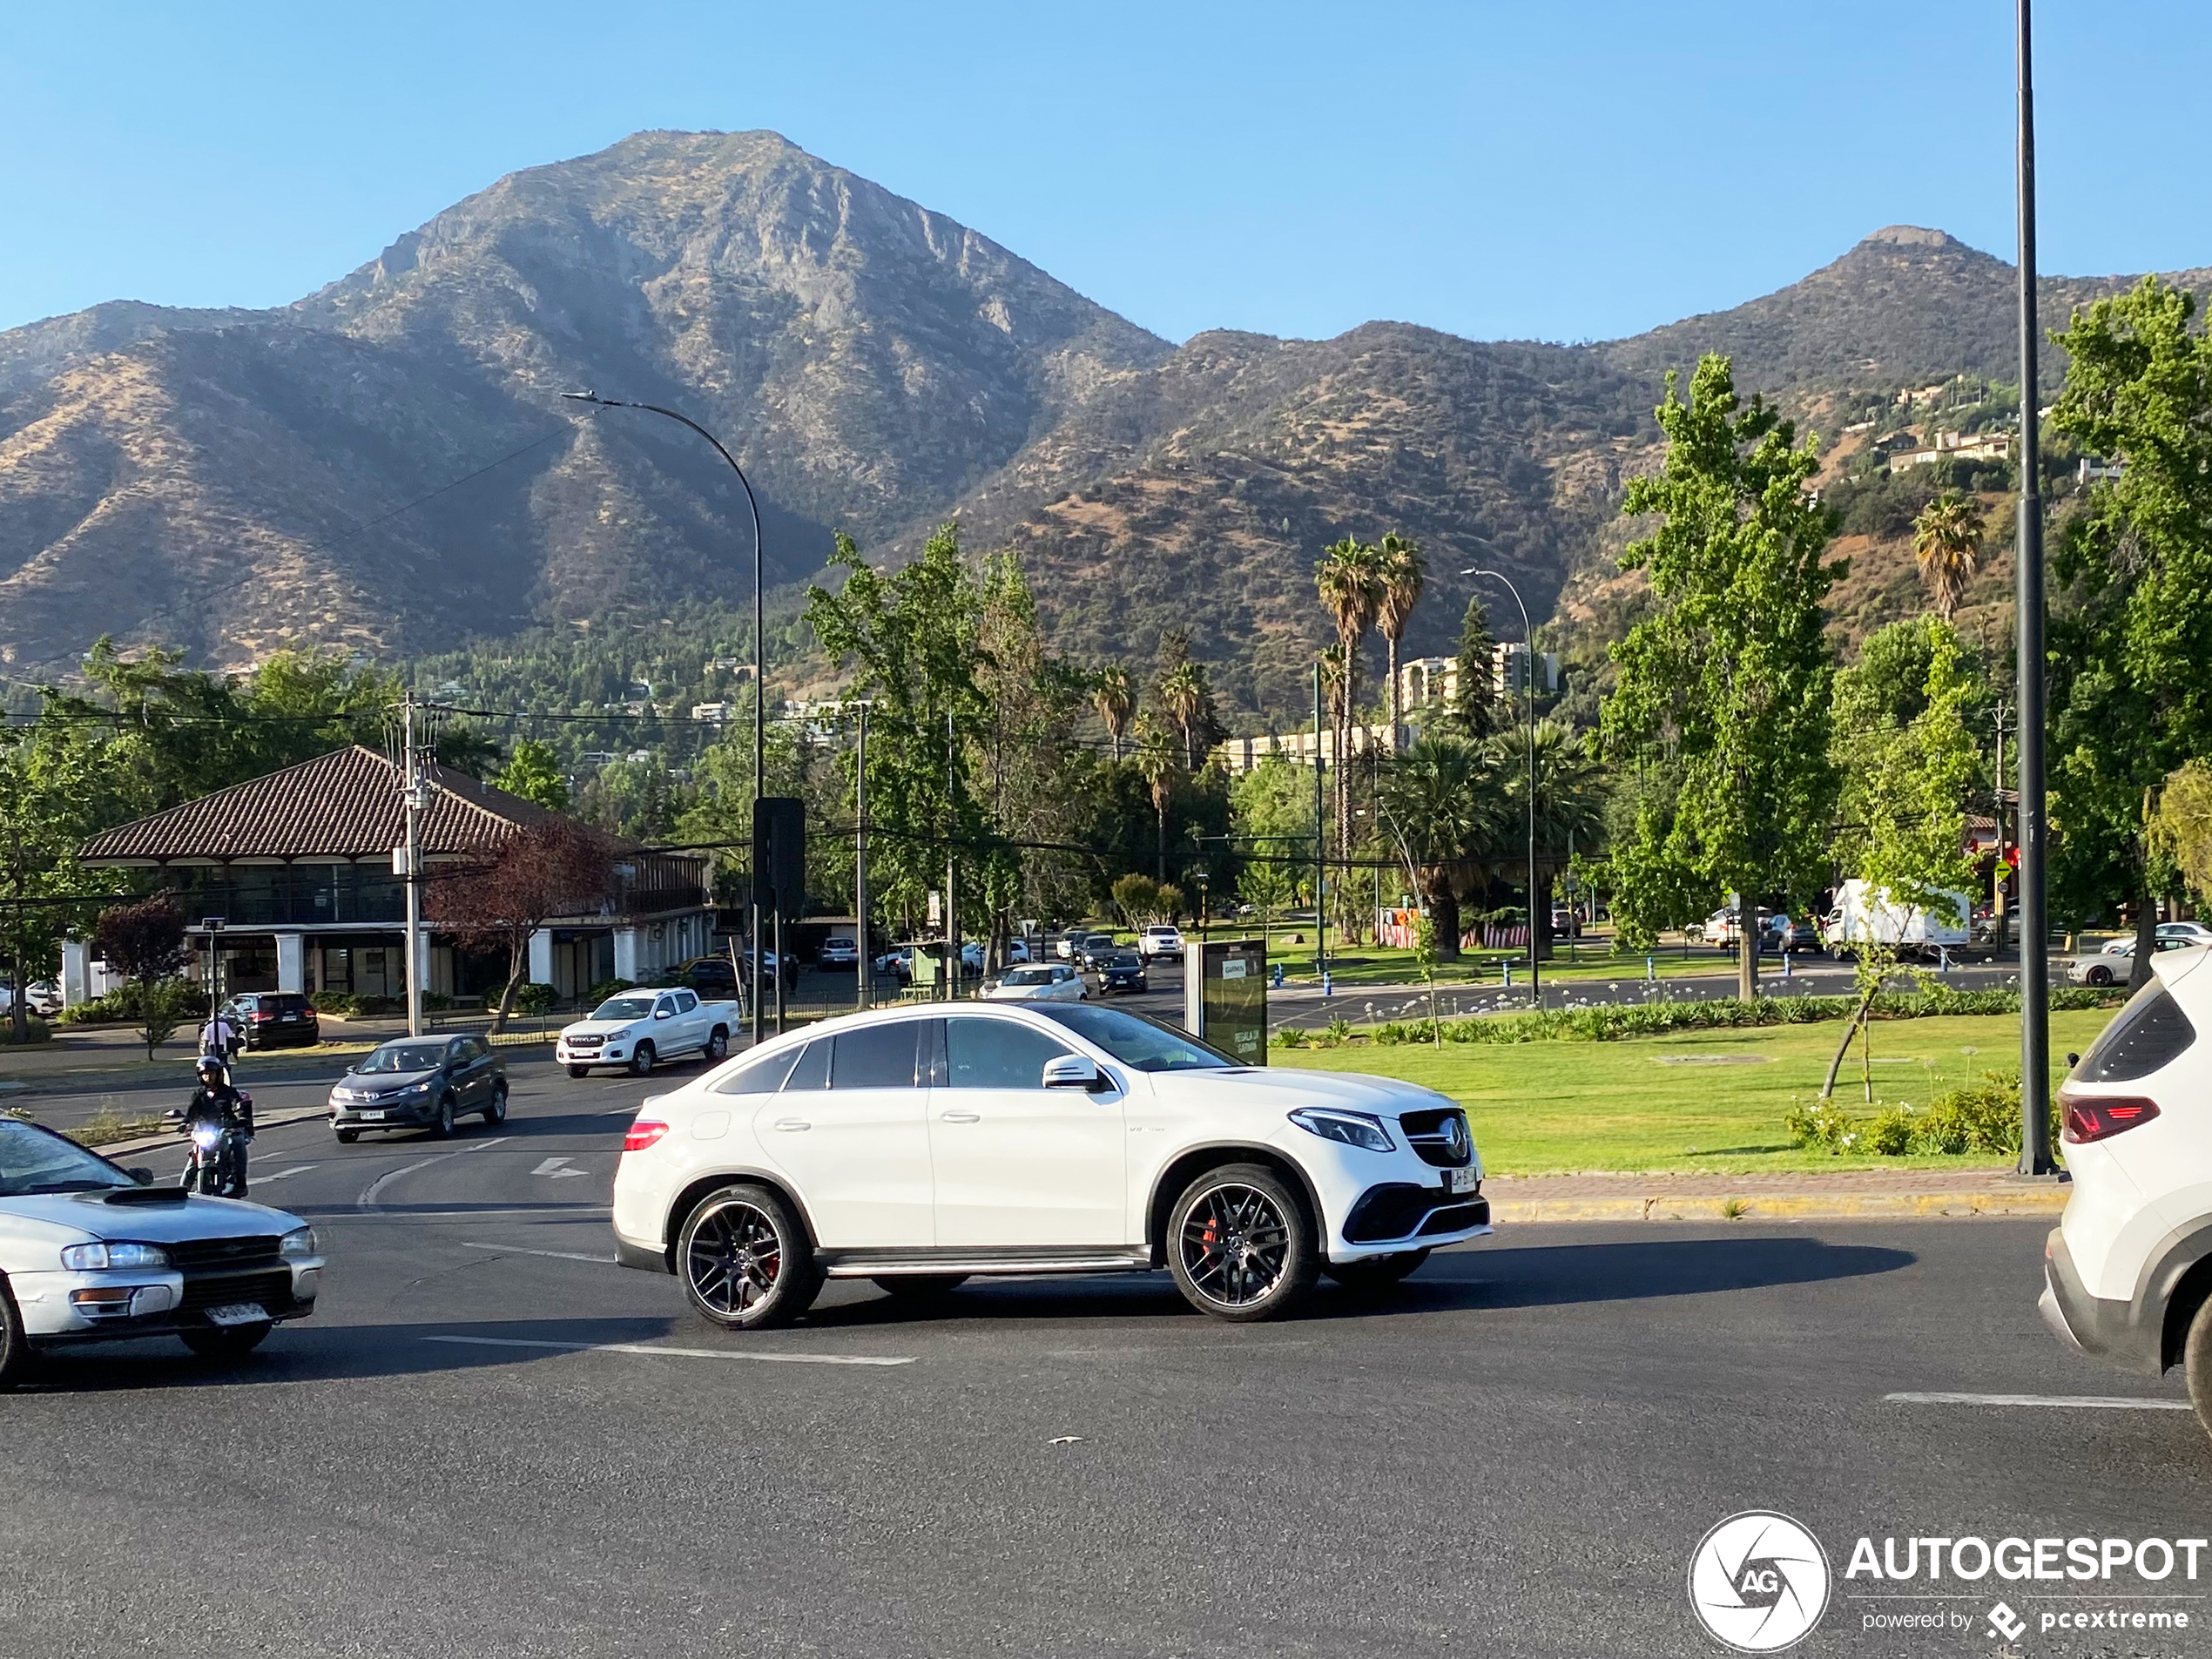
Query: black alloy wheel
[[745, 1261], [1240, 1246], [579, 1071], [718, 1046], [641, 1060], [445, 1118], [496, 1112], [347, 1136], [15, 1347]]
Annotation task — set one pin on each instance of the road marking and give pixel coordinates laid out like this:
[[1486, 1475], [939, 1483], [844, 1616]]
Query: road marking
[[286, 1175], [557, 1168], [367, 1200], [486, 1146], [557, 1255], [2073, 1402], [680, 1354]]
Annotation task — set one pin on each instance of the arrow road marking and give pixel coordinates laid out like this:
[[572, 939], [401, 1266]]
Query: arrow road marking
[[680, 1354], [2078, 1402], [557, 1168]]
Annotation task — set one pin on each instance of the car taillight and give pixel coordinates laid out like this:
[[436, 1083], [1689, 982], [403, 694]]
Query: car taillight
[[2097, 1117], [642, 1133], [262, 1019]]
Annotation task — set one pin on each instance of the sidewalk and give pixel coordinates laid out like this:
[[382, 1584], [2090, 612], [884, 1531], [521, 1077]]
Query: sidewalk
[[1799, 1195]]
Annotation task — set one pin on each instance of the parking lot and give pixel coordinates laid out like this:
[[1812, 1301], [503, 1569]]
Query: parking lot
[[492, 1440]]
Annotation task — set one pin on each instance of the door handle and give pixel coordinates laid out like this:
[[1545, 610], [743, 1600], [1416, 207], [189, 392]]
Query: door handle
[[961, 1117], [792, 1123]]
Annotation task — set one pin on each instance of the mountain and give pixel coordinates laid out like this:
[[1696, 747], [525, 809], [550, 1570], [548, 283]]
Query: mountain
[[387, 464]]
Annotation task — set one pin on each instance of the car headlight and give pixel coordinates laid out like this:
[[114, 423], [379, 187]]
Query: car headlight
[[80, 1258], [296, 1245], [1349, 1128]]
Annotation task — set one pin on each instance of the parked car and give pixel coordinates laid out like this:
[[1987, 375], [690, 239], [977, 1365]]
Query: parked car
[[44, 997], [1046, 982], [899, 960], [1160, 943], [1119, 970], [2190, 933], [93, 1253], [1090, 947], [418, 1082], [1567, 922], [635, 1030], [709, 976], [2127, 1273], [272, 1019], [839, 950], [917, 1147], [2113, 965]]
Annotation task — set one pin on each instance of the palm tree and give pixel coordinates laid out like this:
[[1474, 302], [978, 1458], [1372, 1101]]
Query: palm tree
[[1111, 695], [1570, 803], [1183, 694], [1403, 576], [1440, 802], [1155, 762], [1350, 583], [1947, 539]]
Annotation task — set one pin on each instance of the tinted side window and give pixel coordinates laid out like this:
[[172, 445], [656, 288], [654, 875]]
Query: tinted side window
[[875, 1057], [998, 1053], [457, 1051], [685, 1002], [2143, 1036], [812, 1070], [761, 1076]]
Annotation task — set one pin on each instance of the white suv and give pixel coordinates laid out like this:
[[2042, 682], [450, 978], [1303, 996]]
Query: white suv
[[918, 1148], [1160, 943], [2128, 1273]]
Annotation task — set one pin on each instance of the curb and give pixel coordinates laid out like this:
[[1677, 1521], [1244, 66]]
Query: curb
[[1790, 1206]]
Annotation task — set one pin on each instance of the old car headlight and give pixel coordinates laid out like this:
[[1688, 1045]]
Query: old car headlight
[[1349, 1128], [81, 1258], [299, 1244]]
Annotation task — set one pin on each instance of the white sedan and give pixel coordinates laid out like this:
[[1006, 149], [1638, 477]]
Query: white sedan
[[918, 1146], [1052, 982], [93, 1253]]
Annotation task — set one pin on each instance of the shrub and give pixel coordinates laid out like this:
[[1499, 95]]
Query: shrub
[[1290, 1037], [338, 1003], [369, 1005], [535, 999], [1891, 1135], [174, 999], [607, 988], [1978, 1118], [35, 1031], [1389, 1036], [1825, 1126]]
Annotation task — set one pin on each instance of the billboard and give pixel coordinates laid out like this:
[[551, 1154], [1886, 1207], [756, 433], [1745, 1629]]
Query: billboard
[[1224, 997]]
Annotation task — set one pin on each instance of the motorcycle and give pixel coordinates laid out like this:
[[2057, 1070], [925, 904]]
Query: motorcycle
[[213, 1163]]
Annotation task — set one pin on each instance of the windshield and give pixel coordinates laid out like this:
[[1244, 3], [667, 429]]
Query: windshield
[[1029, 976], [402, 1056], [630, 1007], [1134, 1040], [37, 1160]]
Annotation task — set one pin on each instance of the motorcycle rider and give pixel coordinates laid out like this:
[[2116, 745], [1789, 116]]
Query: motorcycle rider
[[217, 1102]]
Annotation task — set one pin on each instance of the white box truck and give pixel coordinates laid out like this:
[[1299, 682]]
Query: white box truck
[[1863, 915]]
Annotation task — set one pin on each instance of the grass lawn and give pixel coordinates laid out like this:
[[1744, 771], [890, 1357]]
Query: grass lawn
[[1709, 1101]]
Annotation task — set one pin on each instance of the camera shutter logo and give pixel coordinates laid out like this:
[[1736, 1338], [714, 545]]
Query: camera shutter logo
[[1758, 1582]]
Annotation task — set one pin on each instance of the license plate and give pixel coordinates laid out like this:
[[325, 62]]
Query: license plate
[[238, 1313], [1461, 1180], [372, 1117]]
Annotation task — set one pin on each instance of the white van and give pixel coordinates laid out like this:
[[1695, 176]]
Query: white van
[[1863, 915]]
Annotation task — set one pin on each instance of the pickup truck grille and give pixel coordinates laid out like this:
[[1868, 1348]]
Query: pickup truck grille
[[1441, 1137], [586, 1042]]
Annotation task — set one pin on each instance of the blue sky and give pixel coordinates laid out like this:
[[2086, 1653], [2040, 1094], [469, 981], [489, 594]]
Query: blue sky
[[1559, 172]]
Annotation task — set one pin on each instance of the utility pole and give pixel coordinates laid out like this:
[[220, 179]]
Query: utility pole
[[411, 856], [867, 967], [1320, 848], [1535, 971], [952, 896], [2035, 1034]]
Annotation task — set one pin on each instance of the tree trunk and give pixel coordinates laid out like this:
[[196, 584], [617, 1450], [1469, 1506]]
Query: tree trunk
[[1747, 952], [518, 968], [1444, 919], [2146, 941], [1163, 876], [1851, 1030], [1539, 920], [1397, 704]]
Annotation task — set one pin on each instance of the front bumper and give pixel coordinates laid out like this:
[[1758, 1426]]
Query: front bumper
[[2130, 1335], [605, 1054], [1396, 1216], [159, 1303], [407, 1114]]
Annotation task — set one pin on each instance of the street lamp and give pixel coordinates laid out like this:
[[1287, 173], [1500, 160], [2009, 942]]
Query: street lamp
[[759, 661], [1535, 984]]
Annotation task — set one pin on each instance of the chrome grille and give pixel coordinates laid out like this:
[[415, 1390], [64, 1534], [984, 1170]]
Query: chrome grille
[[1441, 1137]]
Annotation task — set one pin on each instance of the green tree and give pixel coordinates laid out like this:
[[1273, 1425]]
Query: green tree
[[1571, 791], [1906, 784], [1474, 712], [1721, 701], [2131, 628], [1349, 581], [1441, 806], [1402, 577], [1946, 542], [1137, 897], [534, 772], [52, 790], [1159, 765], [1271, 817], [1116, 701]]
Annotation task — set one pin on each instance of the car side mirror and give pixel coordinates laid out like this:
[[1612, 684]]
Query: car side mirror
[[1072, 1072], [660, 1014], [143, 1175]]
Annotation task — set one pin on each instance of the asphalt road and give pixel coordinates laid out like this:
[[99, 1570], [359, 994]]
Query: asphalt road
[[466, 1451]]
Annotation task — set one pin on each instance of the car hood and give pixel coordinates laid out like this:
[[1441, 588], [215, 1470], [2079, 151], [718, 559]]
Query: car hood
[[1279, 1088], [385, 1083], [601, 1028], [156, 1221]]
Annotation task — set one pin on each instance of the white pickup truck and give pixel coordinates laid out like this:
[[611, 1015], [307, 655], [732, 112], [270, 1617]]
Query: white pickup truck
[[635, 1030]]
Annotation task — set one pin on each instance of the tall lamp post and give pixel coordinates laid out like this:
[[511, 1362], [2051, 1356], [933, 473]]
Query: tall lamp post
[[1535, 983], [759, 659], [2035, 1035]]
